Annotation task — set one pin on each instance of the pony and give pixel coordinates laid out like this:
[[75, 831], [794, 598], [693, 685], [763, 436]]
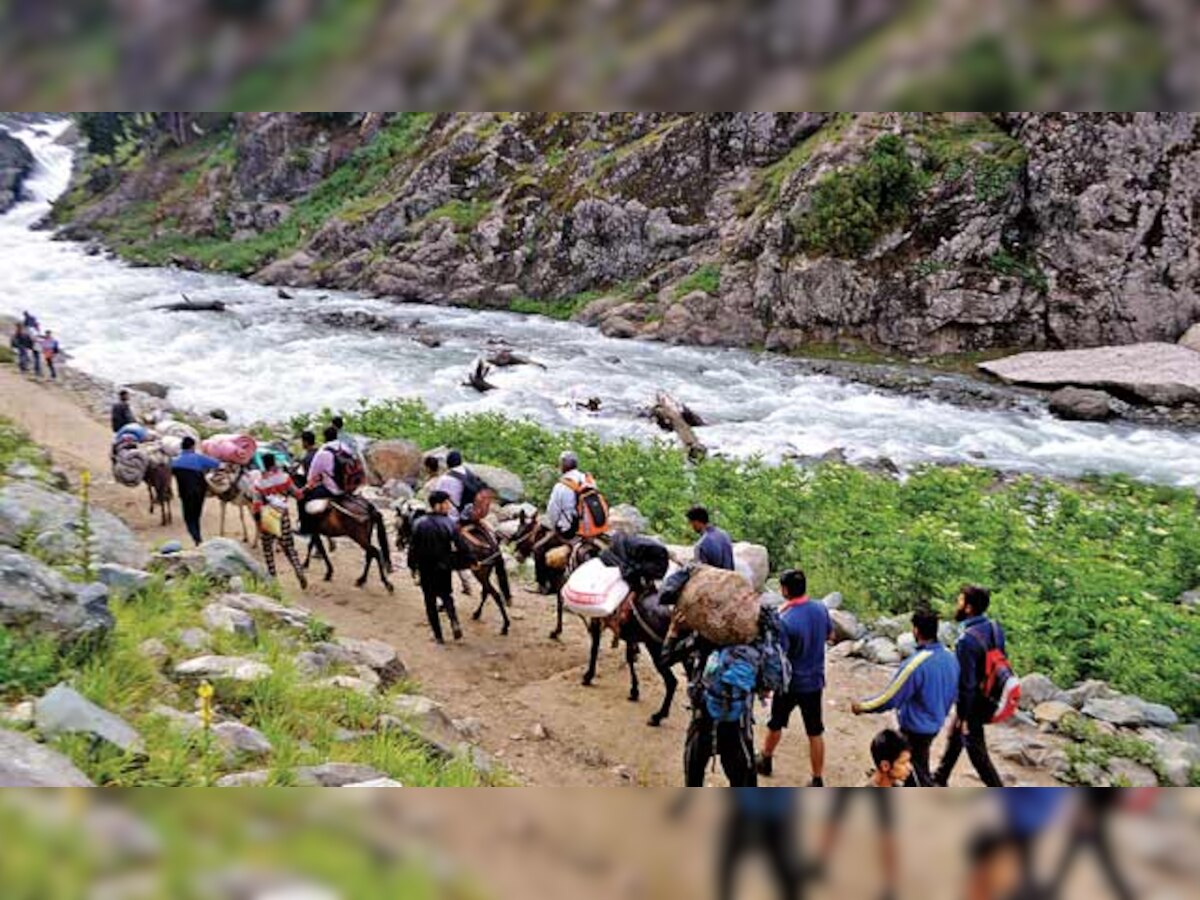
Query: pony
[[483, 560], [158, 486], [358, 519], [234, 485]]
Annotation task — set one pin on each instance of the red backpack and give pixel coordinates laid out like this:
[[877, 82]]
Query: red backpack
[[1001, 688]]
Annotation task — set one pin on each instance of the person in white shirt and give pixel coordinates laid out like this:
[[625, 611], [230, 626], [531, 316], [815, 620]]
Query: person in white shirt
[[563, 515]]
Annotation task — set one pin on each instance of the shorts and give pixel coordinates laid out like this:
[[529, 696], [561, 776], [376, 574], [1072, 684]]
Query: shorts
[[809, 703]]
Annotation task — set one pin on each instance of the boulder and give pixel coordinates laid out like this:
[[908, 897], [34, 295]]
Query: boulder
[[63, 710], [360, 686], [1159, 374], [947, 633], [18, 715], [226, 558], [906, 644], [215, 668], [1191, 338], [1130, 712], [881, 650], [1028, 748], [54, 516], [1081, 405], [237, 740], [624, 518], [752, 562], [1037, 689], [1127, 773], [154, 650], [1051, 712], [218, 617], [425, 720], [508, 486], [846, 626], [1189, 599], [35, 599], [195, 639], [393, 460], [893, 626], [395, 489], [293, 616], [1177, 755], [1085, 691], [26, 763], [333, 775], [151, 388], [122, 581], [379, 657], [24, 470], [833, 601]]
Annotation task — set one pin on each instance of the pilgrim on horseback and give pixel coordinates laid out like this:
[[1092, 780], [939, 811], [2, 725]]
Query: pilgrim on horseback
[[577, 513]]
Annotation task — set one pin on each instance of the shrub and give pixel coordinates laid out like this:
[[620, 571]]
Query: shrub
[[707, 278]]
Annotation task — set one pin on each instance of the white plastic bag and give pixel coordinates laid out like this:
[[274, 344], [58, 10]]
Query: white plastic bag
[[595, 590]]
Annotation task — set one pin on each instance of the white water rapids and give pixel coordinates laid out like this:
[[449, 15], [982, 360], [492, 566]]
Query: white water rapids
[[266, 361]]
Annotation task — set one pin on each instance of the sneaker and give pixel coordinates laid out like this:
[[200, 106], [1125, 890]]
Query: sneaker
[[817, 781], [764, 765]]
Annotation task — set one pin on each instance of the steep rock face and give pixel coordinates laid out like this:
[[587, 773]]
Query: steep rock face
[[749, 229], [16, 162]]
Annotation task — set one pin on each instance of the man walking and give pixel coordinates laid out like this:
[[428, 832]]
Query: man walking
[[122, 415], [435, 544], [50, 351], [189, 468], [714, 547], [807, 628], [922, 692], [979, 635]]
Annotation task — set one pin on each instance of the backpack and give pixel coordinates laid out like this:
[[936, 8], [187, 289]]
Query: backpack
[[729, 681], [591, 509], [1001, 688], [347, 470], [472, 486], [775, 675]]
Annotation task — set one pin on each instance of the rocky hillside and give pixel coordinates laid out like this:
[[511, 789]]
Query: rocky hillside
[[923, 233], [15, 164]]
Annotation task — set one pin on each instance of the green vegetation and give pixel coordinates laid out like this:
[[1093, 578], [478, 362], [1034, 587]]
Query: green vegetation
[[1093, 747], [850, 209], [1083, 574], [301, 720], [465, 214], [977, 149], [15, 446], [1005, 263], [767, 184], [707, 278]]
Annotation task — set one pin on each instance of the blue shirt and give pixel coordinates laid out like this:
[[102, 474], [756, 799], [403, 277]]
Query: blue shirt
[[191, 461], [923, 690], [1028, 810], [806, 628], [715, 549], [765, 803]]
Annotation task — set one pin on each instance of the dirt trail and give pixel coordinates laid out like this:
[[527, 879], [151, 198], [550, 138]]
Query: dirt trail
[[509, 685]]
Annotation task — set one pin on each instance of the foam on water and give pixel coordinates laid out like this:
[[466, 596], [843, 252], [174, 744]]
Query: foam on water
[[266, 361]]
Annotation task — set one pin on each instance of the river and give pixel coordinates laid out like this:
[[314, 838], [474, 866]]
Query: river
[[266, 360]]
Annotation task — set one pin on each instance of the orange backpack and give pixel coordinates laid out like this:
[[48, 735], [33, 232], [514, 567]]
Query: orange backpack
[[591, 509]]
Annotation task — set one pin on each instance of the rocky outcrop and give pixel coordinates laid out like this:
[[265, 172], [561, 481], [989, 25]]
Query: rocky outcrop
[[35, 599], [26, 763], [64, 710], [53, 520], [16, 162]]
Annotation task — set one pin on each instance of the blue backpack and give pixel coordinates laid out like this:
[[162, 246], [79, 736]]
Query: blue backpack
[[729, 681], [775, 675]]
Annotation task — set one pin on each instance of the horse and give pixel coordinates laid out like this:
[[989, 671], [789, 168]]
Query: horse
[[234, 485], [158, 484], [640, 621], [338, 519], [484, 559]]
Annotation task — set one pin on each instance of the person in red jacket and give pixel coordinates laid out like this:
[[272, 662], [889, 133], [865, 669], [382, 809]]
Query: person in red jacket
[[271, 493]]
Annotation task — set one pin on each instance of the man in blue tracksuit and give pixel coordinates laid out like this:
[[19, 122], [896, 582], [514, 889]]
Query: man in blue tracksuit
[[922, 692], [189, 468], [979, 635]]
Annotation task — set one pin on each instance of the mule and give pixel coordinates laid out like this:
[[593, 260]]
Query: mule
[[530, 532], [484, 560], [158, 486], [339, 519], [234, 485]]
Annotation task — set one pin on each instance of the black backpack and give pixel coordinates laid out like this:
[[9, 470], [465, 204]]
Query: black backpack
[[472, 486]]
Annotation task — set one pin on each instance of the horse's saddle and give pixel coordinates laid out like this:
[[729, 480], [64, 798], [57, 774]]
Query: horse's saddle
[[351, 506], [316, 507]]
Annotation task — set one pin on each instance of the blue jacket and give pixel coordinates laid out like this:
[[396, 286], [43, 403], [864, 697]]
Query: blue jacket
[[1028, 810], [806, 629], [974, 642], [191, 461], [715, 549], [765, 803], [922, 691]]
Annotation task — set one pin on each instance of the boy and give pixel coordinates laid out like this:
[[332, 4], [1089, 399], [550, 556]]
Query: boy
[[893, 759]]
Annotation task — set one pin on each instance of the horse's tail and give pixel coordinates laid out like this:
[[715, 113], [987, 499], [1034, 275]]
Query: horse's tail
[[381, 526]]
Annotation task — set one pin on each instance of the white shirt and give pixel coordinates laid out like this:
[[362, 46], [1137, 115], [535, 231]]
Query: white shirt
[[452, 486], [561, 510]]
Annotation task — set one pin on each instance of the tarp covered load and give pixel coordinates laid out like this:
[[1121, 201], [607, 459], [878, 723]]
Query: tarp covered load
[[595, 590], [129, 465], [235, 449], [721, 606]]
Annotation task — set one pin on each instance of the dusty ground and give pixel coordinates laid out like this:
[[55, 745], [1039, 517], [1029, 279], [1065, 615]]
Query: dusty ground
[[509, 685]]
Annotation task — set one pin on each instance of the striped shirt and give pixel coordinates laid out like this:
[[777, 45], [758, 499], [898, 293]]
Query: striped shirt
[[275, 487]]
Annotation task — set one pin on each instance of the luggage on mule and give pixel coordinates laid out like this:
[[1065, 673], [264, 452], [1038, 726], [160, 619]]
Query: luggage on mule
[[133, 430], [642, 560], [235, 449], [595, 590], [558, 558], [177, 430], [719, 605], [129, 466]]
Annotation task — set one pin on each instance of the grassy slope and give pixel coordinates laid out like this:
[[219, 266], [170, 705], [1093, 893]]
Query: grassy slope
[[1082, 574]]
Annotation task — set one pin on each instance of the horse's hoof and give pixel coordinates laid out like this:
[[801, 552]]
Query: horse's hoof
[[327, 578], [360, 582], [655, 721], [476, 616], [634, 697], [587, 680], [504, 631], [390, 588], [555, 635]]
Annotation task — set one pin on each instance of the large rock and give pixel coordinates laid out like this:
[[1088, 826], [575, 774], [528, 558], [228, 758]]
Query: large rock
[[226, 558], [214, 668], [1159, 374], [1130, 712], [508, 486], [1051, 712], [293, 616], [219, 617], [1088, 690], [27, 508], [752, 562], [425, 720], [26, 763], [846, 626], [1037, 689], [35, 599], [237, 740], [334, 775], [123, 581], [16, 162], [880, 650], [393, 460], [64, 710], [379, 657], [1081, 405], [1191, 338], [1127, 773], [625, 518]]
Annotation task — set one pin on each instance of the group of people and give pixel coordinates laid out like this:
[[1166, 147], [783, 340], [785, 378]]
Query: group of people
[[33, 346]]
